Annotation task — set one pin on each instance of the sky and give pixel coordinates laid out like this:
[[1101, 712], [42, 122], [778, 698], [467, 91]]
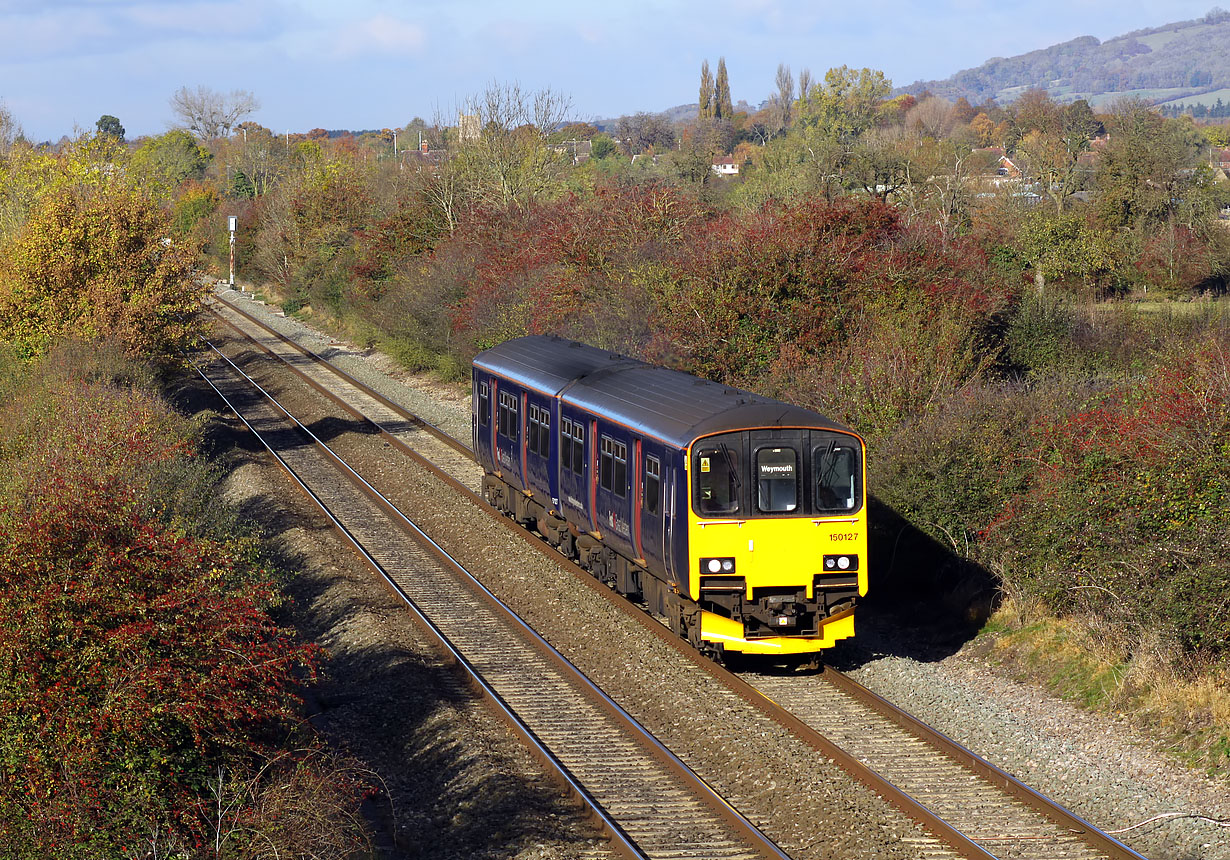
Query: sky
[[362, 64]]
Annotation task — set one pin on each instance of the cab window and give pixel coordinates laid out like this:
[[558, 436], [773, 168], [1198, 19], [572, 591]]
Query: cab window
[[838, 476], [715, 476], [777, 480]]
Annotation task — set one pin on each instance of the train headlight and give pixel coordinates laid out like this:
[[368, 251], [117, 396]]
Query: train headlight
[[717, 565], [834, 563]]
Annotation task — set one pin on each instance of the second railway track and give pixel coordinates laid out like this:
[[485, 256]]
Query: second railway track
[[654, 806], [960, 800]]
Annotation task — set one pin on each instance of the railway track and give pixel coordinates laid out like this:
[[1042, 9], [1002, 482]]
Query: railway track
[[637, 790], [968, 803]]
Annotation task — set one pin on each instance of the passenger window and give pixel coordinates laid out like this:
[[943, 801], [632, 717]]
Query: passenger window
[[716, 477], [533, 426], [653, 484], [606, 465], [838, 477], [539, 431], [565, 443], [509, 424], [777, 480], [484, 404], [613, 466], [578, 448], [620, 450], [544, 434]]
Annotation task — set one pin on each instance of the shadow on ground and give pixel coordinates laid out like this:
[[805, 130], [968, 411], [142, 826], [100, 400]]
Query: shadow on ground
[[924, 601], [452, 783]]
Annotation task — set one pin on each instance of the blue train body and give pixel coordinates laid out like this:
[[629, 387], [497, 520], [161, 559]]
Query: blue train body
[[606, 457]]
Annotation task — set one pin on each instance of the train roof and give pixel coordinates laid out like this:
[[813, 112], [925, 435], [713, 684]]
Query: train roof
[[673, 406]]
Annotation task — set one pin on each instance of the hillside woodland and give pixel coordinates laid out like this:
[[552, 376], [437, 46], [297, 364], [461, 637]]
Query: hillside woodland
[[1022, 308], [1179, 61]]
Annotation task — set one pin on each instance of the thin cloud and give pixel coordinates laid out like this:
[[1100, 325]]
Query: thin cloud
[[382, 34]]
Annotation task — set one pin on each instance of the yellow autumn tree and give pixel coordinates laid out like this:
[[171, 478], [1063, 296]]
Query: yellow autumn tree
[[94, 259]]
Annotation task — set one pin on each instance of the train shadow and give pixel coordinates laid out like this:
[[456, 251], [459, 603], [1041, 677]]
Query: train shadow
[[449, 782], [924, 601]]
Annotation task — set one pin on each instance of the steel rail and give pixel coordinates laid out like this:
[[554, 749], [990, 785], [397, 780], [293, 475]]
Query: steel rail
[[323, 362], [993, 774], [624, 843], [983, 769]]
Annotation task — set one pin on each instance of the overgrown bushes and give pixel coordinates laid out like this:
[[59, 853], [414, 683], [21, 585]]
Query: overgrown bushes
[[97, 259], [1125, 510], [147, 695]]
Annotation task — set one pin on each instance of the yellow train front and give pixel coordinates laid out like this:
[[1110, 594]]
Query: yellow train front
[[777, 538], [738, 518]]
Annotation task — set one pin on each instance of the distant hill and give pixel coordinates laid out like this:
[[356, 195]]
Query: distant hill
[[1182, 63], [674, 115]]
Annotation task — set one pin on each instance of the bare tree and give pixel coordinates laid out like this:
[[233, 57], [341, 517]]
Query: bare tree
[[260, 157], [506, 108], [508, 160], [879, 161], [643, 130], [805, 84], [784, 98], [932, 117], [210, 114]]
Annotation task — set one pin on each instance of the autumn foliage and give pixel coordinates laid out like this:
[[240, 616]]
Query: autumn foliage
[[1126, 511], [144, 678], [96, 259]]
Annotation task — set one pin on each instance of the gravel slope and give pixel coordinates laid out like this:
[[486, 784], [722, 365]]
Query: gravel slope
[[1096, 765]]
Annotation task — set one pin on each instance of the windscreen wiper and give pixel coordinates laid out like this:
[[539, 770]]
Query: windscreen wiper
[[730, 465]]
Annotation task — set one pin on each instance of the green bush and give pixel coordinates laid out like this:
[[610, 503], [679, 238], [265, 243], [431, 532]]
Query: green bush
[[1039, 339], [1125, 511]]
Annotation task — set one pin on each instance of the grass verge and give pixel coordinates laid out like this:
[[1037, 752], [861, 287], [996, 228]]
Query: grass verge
[[1184, 709]]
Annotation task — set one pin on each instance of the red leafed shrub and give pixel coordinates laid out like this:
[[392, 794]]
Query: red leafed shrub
[[137, 651], [580, 266], [838, 305], [1176, 261], [406, 232], [1126, 512]]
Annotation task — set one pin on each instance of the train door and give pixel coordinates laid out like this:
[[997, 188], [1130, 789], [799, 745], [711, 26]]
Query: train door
[[574, 471], [537, 447], [482, 420], [508, 459], [670, 480], [613, 500], [652, 508]]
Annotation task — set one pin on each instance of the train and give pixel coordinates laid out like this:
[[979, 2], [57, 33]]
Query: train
[[738, 520]]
